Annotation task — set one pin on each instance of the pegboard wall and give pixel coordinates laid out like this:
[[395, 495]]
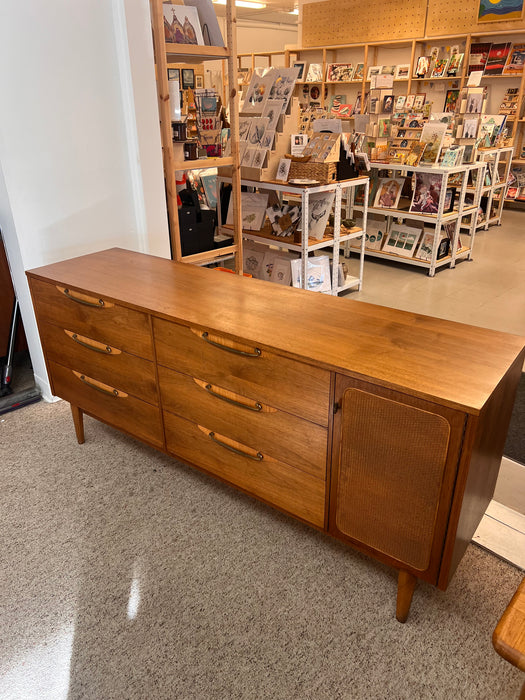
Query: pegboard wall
[[452, 17], [334, 22], [355, 21]]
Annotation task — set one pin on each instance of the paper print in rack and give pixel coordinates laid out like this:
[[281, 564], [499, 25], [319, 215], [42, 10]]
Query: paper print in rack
[[359, 71], [402, 71], [419, 100], [208, 21], [282, 271], [272, 111], [425, 199], [402, 240], [315, 73], [422, 66], [282, 84], [181, 25], [283, 169], [388, 193], [432, 135], [440, 68], [317, 273], [257, 93], [253, 256], [301, 65], [339, 72], [319, 208], [253, 205], [454, 64]]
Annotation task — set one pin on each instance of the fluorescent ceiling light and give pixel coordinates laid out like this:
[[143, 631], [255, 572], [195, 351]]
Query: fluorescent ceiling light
[[243, 3]]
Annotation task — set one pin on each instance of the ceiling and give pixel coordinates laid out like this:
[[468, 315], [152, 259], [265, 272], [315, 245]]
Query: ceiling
[[275, 12]]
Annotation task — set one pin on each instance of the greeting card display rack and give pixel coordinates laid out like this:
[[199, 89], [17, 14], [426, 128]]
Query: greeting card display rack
[[168, 52], [330, 241], [461, 210]]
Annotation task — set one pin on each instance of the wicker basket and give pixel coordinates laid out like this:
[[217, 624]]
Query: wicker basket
[[325, 173]]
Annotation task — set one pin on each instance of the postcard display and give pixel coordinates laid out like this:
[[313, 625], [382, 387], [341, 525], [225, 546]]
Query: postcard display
[[415, 213], [268, 117], [188, 34], [275, 216]]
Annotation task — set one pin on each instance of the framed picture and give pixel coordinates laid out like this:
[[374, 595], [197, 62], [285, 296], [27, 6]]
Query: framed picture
[[188, 78], [174, 74], [402, 71], [500, 11], [302, 69], [199, 81]]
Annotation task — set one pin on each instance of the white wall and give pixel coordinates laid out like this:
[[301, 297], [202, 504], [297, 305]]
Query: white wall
[[80, 156]]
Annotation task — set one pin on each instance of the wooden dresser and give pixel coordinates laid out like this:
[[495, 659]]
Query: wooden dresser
[[381, 427]]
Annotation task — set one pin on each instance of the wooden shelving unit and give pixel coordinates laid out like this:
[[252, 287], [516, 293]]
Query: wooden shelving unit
[[188, 53]]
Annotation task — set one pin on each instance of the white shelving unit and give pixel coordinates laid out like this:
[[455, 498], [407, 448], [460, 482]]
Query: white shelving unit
[[459, 212], [501, 159], [307, 245]]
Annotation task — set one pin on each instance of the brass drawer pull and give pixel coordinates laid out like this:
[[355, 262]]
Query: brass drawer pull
[[108, 392], [256, 353], [97, 305], [258, 457], [256, 407], [105, 351]]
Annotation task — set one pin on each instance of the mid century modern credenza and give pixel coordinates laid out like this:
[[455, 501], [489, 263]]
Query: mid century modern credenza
[[381, 427]]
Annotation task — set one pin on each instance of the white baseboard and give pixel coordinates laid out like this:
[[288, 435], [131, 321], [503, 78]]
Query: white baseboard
[[502, 532]]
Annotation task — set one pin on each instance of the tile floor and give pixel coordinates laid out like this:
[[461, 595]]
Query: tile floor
[[487, 291]]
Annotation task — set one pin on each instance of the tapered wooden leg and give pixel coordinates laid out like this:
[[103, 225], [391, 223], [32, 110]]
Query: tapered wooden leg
[[405, 589], [78, 420]]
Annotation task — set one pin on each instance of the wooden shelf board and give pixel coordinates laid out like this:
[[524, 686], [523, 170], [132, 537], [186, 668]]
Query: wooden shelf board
[[203, 163], [177, 53], [210, 255]]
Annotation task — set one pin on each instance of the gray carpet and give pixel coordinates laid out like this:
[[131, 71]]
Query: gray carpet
[[128, 575]]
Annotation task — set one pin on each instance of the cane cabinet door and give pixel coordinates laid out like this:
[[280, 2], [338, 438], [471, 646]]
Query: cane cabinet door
[[395, 460]]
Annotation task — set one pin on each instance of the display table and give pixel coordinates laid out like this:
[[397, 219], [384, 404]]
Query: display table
[[381, 427]]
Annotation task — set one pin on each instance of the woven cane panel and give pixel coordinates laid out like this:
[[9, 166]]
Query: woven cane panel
[[452, 17], [392, 463], [354, 21]]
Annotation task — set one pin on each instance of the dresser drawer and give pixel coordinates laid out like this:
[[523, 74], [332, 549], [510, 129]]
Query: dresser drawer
[[261, 375], [107, 363], [121, 410], [263, 427], [292, 490], [82, 313]]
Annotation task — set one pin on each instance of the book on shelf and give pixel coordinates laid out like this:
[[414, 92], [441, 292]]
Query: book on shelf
[[515, 61], [510, 102], [497, 58], [479, 53]]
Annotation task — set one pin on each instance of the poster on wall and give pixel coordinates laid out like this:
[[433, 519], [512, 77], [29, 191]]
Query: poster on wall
[[500, 10]]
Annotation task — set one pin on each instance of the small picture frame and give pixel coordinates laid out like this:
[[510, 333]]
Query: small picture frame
[[302, 69], [199, 81], [174, 74], [188, 78]]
